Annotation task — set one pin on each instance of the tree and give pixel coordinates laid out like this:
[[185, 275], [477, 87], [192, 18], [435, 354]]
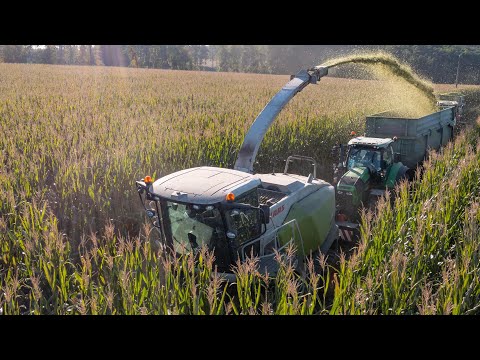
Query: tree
[[71, 54], [83, 56], [133, 57], [50, 54], [61, 55], [97, 58], [252, 59], [212, 55], [198, 55], [203, 54], [114, 55], [223, 58], [278, 58], [91, 55], [235, 56], [14, 53], [178, 57]]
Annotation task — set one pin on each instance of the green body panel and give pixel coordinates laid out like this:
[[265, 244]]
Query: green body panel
[[360, 172], [315, 217], [348, 181], [392, 173], [356, 197]]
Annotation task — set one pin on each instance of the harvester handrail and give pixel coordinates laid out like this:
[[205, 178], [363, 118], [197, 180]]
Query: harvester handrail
[[302, 158]]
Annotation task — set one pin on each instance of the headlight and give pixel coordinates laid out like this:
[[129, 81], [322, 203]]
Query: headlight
[[340, 192], [349, 193], [150, 213]]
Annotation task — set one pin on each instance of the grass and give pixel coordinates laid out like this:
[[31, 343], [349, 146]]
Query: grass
[[72, 232]]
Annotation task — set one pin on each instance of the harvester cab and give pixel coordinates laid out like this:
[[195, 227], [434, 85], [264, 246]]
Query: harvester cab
[[237, 214], [208, 206]]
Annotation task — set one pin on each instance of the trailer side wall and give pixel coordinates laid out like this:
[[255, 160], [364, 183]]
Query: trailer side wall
[[415, 136]]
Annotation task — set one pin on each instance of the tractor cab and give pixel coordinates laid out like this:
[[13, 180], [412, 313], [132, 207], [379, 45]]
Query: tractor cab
[[372, 156], [375, 154], [215, 207], [367, 166]]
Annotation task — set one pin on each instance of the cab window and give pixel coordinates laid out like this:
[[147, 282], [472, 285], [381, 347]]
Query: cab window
[[246, 224], [250, 198], [387, 158], [361, 157]]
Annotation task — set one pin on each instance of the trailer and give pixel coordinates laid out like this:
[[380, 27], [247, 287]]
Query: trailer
[[413, 136], [391, 150]]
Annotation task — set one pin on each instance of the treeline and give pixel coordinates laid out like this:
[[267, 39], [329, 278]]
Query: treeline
[[51, 54], [181, 57], [276, 59], [435, 62], [439, 62], [235, 58]]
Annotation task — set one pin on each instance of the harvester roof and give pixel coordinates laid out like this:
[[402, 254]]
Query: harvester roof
[[204, 185], [369, 141]]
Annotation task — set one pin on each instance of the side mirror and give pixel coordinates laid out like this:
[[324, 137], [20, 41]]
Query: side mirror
[[396, 157], [266, 213], [141, 187]]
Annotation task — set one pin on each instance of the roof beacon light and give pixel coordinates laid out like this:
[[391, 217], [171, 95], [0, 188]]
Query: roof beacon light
[[147, 179], [353, 133], [230, 197]]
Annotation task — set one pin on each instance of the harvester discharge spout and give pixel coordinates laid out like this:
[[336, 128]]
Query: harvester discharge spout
[[253, 139]]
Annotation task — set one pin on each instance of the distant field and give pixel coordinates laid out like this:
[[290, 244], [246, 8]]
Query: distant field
[[74, 139]]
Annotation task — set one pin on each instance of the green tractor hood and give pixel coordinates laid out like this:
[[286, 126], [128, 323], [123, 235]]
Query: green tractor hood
[[351, 189], [351, 177]]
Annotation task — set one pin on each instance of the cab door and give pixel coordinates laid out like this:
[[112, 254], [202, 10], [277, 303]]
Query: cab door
[[387, 162]]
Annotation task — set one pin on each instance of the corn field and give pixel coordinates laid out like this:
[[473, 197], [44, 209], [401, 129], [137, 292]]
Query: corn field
[[74, 239]]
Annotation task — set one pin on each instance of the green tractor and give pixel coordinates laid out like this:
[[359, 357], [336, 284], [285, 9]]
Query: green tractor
[[391, 150], [371, 167]]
